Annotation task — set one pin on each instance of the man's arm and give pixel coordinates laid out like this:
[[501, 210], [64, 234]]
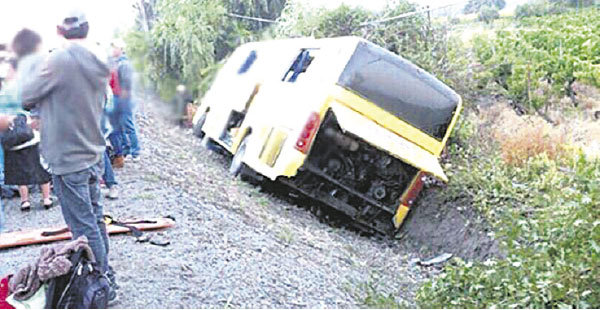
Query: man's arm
[[41, 84]]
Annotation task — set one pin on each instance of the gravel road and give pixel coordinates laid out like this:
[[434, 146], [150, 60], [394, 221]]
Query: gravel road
[[233, 245]]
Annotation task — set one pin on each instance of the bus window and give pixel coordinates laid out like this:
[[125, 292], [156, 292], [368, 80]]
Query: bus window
[[247, 63], [300, 65]]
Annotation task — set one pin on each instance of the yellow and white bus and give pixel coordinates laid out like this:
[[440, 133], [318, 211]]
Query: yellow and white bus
[[340, 120]]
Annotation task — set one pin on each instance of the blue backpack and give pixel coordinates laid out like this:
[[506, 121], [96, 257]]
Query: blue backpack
[[83, 287]]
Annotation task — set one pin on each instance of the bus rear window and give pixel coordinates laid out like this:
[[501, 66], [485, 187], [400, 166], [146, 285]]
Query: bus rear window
[[401, 88]]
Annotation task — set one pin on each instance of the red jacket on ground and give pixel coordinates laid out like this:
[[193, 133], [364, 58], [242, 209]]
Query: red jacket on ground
[[4, 293]]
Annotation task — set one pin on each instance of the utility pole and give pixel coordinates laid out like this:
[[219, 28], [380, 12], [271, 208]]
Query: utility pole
[[142, 9], [428, 14], [429, 24]]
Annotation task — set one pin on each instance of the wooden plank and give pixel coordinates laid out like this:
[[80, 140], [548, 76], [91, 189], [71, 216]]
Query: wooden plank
[[34, 236]]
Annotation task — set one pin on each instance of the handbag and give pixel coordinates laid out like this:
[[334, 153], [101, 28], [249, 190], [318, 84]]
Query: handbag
[[18, 134]]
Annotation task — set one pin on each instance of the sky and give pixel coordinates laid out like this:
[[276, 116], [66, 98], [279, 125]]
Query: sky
[[42, 16], [105, 16]]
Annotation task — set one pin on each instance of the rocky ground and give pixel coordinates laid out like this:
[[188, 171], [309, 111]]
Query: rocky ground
[[235, 245]]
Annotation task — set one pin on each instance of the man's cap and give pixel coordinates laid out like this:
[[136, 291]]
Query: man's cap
[[73, 19]]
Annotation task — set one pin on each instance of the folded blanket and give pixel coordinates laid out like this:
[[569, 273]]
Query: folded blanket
[[53, 262]]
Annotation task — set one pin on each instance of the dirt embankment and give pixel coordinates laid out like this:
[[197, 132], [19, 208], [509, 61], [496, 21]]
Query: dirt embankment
[[439, 226], [236, 246]]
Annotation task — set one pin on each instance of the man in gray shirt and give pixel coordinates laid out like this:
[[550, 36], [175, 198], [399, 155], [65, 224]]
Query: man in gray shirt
[[69, 90]]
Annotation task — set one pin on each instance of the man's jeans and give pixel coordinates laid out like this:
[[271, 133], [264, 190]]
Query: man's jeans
[[79, 197], [109, 175], [124, 136]]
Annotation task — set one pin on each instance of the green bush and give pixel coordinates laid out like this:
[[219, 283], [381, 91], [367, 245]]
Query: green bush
[[476, 6], [553, 50], [547, 218], [488, 14], [410, 37], [538, 8], [574, 3]]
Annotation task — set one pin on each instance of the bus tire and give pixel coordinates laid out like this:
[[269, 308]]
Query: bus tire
[[237, 164], [198, 126], [208, 143]]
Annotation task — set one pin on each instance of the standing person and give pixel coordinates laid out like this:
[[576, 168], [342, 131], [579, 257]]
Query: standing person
[[109, 176], [69, 90], [124, 137], [22, 164], [180, 104], [5, 122]]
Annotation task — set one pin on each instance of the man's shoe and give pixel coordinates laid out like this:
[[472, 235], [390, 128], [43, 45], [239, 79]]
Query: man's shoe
[[112, 279], [25, 206], [112, 283], [49, 204], [113, 193], [113, 297], [135, 159], [118, 162]]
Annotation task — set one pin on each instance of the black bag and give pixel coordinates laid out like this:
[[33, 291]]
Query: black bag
[[84, 287], [18, 134]]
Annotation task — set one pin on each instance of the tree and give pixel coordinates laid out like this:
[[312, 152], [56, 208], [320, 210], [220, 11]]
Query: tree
[[413, 37], [146, 14], [476, 6], [487, 14], [267, 9], [539, 8], [574, 3], [298, 20], [184, 41]]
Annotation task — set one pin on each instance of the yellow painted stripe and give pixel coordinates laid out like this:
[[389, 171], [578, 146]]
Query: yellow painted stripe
[[393, 123], [401, 214], [453, 122], [272, 146]]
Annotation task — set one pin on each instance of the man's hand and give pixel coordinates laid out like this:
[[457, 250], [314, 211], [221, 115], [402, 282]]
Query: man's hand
[[124, 93], [6, 121]]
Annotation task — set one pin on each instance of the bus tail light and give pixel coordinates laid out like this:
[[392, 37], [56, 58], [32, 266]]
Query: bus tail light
[[414, 190], [308, 132]]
